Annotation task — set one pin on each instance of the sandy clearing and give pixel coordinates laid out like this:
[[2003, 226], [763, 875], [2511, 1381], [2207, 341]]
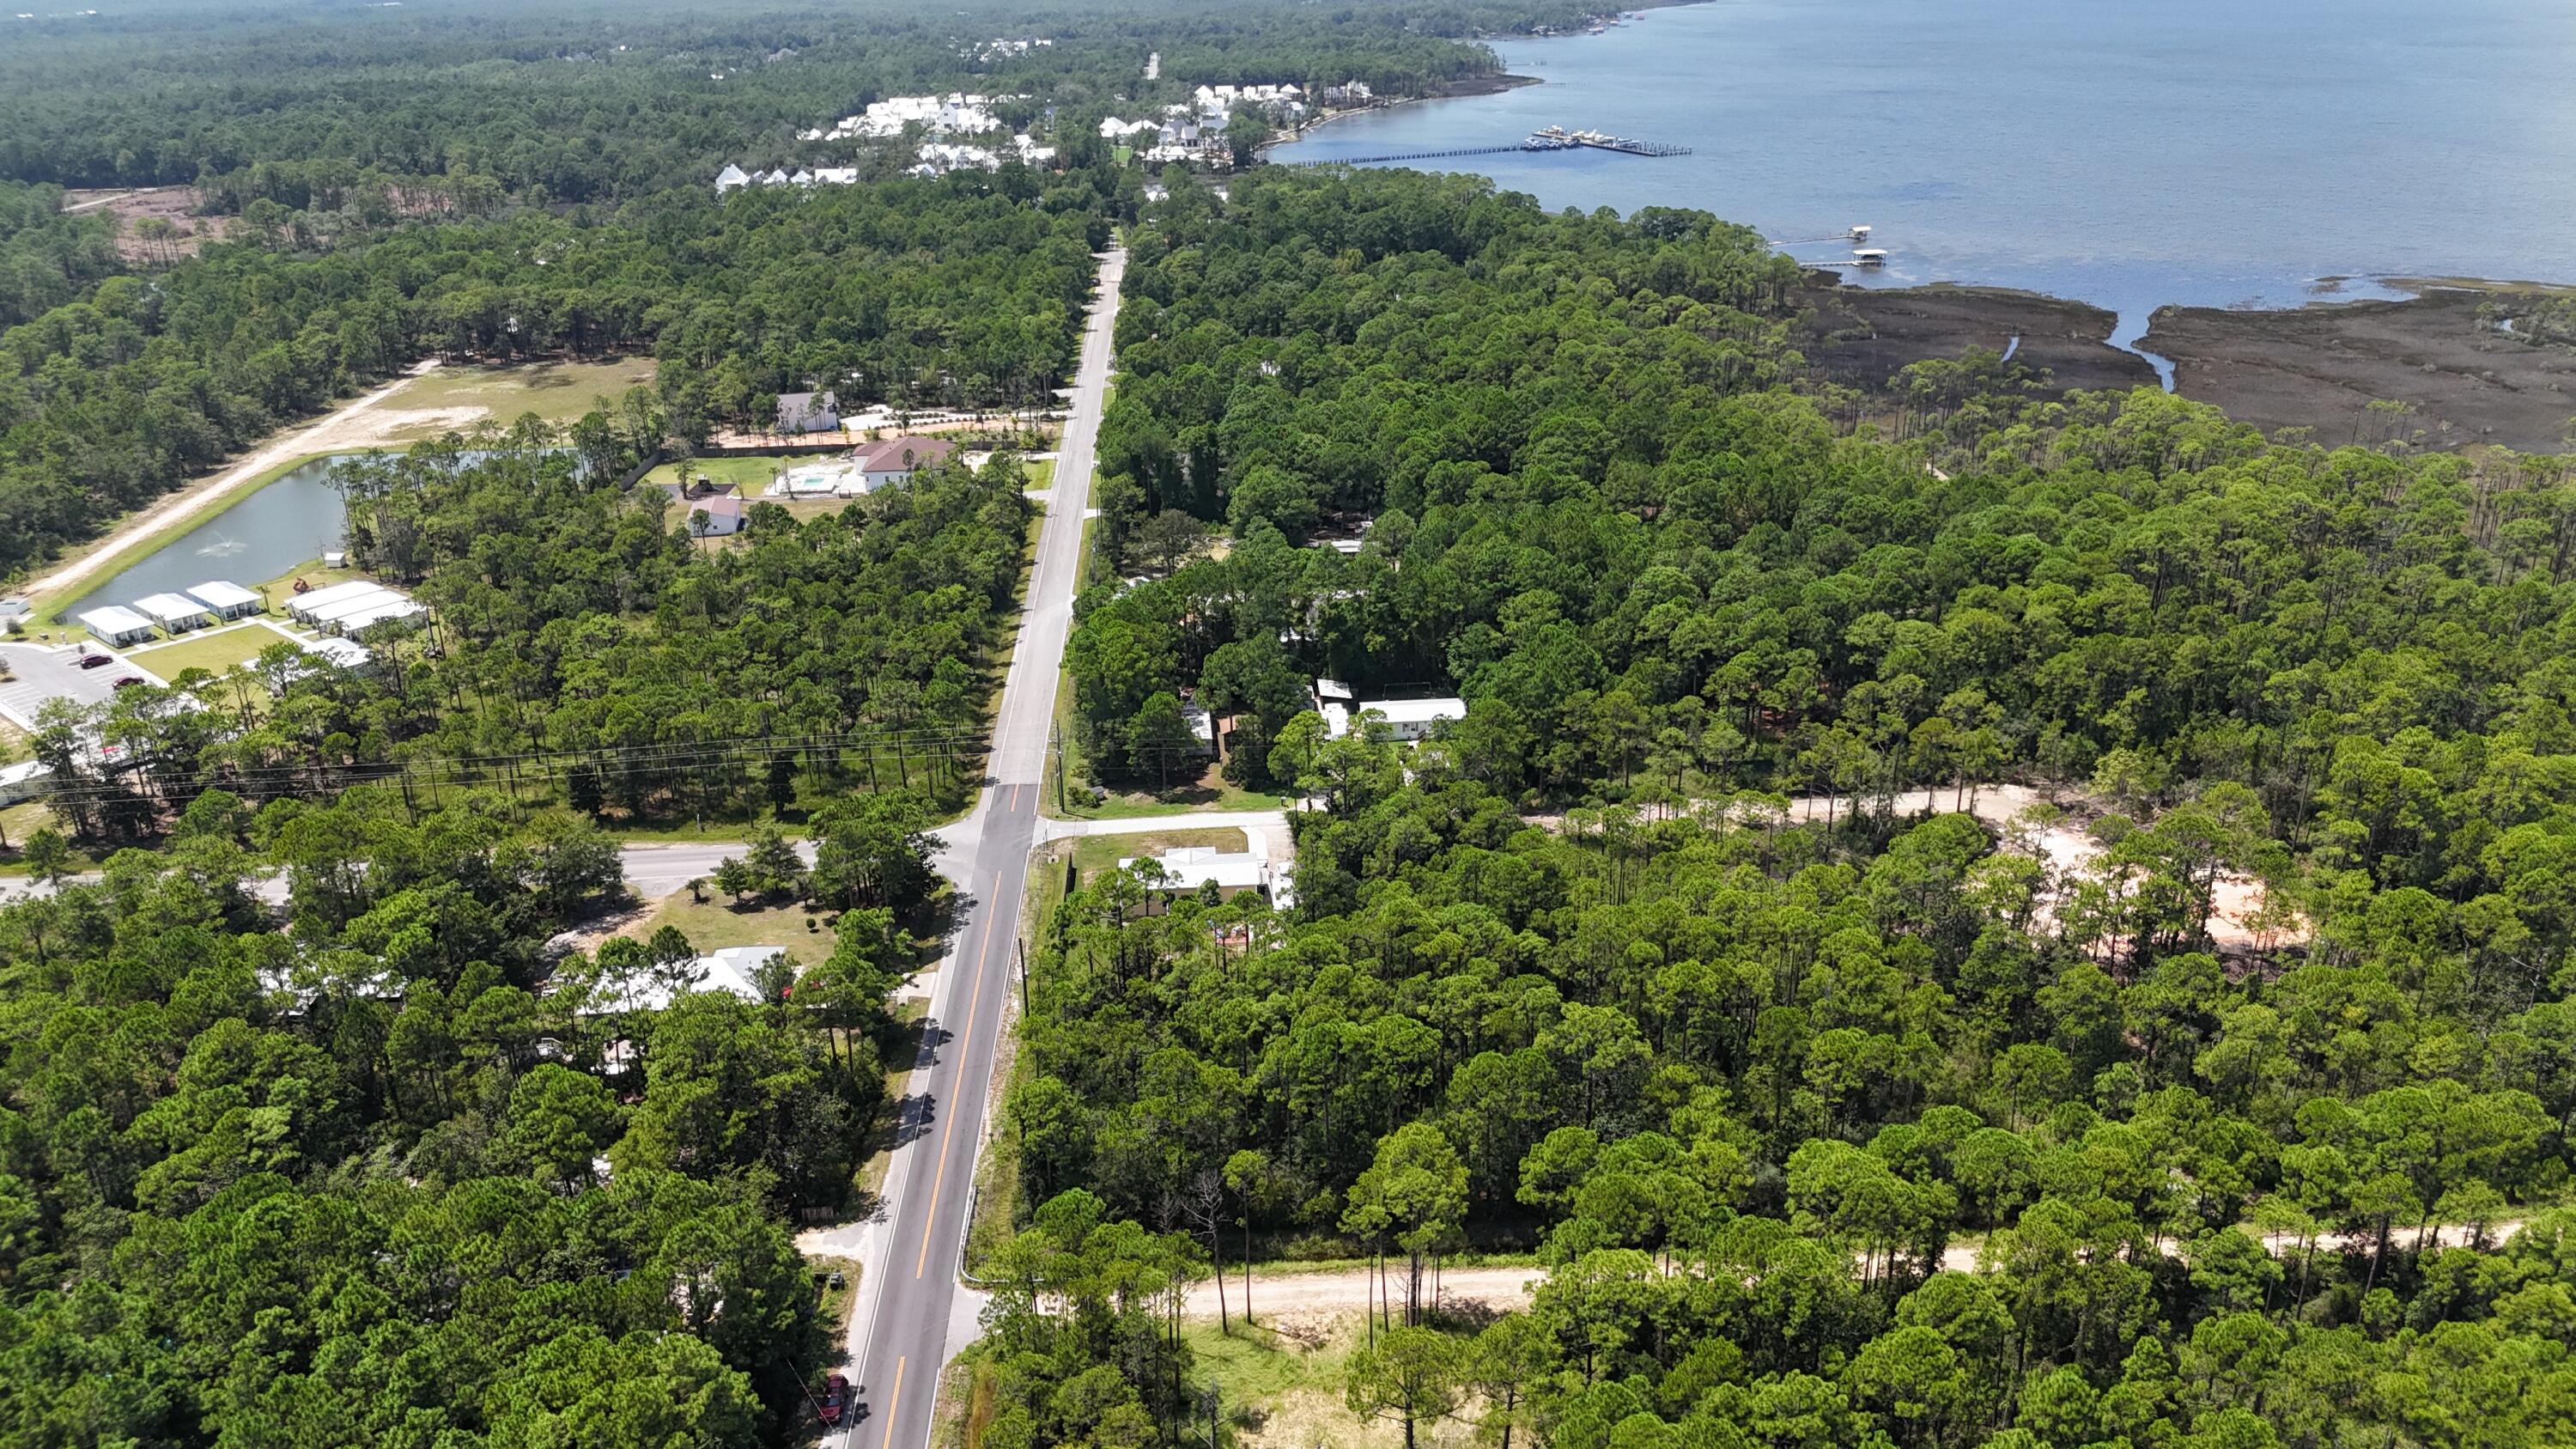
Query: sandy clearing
[[361, 424], [1348, 1290]]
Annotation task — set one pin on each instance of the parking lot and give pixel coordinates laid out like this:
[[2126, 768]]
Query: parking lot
[[47, 674]]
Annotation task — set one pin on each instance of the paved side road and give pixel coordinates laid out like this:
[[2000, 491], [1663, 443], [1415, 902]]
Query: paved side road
[[915, 1313]]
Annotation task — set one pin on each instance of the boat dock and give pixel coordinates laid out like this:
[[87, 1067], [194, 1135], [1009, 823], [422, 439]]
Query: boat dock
[[1551, 138]]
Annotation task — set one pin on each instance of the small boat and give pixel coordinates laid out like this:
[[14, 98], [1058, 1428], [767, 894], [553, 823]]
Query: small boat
[[1869, 257], [1860, 233]]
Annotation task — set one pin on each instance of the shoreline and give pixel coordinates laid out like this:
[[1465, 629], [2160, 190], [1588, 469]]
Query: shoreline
[[1492, 85]]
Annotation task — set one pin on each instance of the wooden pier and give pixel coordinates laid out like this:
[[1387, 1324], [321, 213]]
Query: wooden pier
[[1554, 138]]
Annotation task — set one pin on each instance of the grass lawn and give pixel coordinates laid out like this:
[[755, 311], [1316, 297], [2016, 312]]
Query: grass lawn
[[1041, 472], [216, 650], [717, 924], [749, 474], [1099, 854], [556, 391], [1284, 1390], [282, 588]]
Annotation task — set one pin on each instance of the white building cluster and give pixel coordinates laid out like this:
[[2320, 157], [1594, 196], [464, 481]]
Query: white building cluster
[[941, 157], [999, 49], [734, 176], [955, 114]]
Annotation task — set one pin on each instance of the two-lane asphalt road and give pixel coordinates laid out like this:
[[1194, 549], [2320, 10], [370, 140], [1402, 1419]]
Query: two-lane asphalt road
[[906, 1325]]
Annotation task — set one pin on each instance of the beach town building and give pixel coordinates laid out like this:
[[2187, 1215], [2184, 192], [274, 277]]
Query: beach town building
[[117, 625], [225, 599], [719, 516], [175, 613], [301, 606], [895, 460]]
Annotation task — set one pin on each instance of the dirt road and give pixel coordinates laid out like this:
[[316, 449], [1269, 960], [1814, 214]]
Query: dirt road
[[1347, 1290], [365, 423]]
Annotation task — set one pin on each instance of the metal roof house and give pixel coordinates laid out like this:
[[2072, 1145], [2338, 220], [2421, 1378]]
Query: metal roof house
[[303, 605], [117, 624], [225, 599], [317, 610], [1190, 866], [175, 612]]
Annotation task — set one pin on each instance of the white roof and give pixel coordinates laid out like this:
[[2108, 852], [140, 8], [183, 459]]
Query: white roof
[[166, 607], [1418, 711], [116, 619], [398, 608], [354, 604], [328, 592], [23, 771], [222, 593], [1190, 865], [345, 652], [729, 970], [1331, 689]]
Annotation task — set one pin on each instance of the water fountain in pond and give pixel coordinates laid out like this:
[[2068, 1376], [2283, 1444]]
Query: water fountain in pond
[[221, 546]]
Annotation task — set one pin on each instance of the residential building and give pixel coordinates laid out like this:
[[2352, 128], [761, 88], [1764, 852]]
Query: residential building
[[809, 412], [117, 625], [22, 781], [894, 460], [1404, 720], [300, 606], [734, 970], [1188, 867], [716, 517], [731, 177], [225, 599], [176, 613]]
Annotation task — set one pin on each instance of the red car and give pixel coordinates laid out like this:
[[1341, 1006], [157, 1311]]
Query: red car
[[93, 661], [128, 681], [836, 1398]]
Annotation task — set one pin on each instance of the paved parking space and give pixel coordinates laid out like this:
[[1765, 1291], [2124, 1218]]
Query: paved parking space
[[46, 674]]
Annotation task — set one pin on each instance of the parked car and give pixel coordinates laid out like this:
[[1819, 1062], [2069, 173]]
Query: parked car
[[93, 661], [128, 681], [836, 1398]]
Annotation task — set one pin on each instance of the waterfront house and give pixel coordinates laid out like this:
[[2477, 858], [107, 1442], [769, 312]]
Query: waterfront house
[[225, 599], [176, 613], [117, 625]]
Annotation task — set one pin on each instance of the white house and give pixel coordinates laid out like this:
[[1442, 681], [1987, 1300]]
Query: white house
[[894, 460], [21, 781], [723, 514], [731, 177], [733, 970], [176, 613], [1188, 867], [1406, 720], [323, 606], [396, 610], [117, 625], [300, 606], [225, 599]]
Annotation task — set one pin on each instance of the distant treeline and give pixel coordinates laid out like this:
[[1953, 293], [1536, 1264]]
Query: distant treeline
[[948, 291]]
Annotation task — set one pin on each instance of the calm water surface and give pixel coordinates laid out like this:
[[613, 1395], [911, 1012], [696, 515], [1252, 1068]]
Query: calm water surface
[[2207, 152], [289, 521]]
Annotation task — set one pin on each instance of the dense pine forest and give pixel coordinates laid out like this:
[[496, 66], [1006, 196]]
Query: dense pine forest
[[1572, 977], [1961, 917]]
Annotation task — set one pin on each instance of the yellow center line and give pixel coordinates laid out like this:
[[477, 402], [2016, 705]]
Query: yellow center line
[[1015, 798], [965, 1039], [893, 1401]]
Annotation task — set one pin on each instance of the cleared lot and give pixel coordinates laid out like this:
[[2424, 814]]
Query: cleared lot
[[45, 674]]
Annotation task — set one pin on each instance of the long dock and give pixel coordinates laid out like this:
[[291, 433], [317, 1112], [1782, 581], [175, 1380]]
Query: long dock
[[1554, 138]]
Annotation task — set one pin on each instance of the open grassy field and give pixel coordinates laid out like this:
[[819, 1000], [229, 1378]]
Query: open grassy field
[[556, 391], [749, 474], [1041, 472], [1098, 854], [215, 649], [717, 924], [281, 589]]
